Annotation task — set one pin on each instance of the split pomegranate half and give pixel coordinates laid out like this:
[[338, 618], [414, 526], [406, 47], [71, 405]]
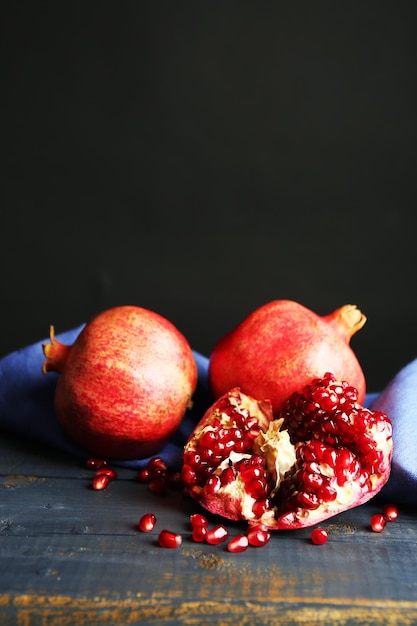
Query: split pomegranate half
[[324, 453]]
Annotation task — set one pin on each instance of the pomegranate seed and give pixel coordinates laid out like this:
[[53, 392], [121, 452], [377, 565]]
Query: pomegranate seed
[[257, 488], [319, 536], [312, 480], [206, 454], [238, 543], [227, 476], [208, 438], [327, 493], [198, 520], [143, 475], [147, 522], [308, 500], [100, 482], [258, 536], [168, 539], [251, 472], [213, 484], [378, 523], [95, 464], [260, 507], [217, 534], [157, 467], [199, 533], [390, 512], [256, 460], [219, 448], [107, 471], [188, 475], [345, 458]]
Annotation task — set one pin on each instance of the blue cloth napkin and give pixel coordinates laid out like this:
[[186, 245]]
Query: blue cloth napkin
[[27, 409], [399, 401]]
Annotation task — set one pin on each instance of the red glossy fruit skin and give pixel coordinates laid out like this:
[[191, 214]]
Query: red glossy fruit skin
[[124, 384], [281, 346]]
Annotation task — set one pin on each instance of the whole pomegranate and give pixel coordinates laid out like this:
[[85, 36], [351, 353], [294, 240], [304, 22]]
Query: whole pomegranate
[[281, 346], [125, 383], [324, 453]]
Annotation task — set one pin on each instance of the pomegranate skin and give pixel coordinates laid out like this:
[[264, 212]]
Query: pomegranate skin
[[281, 346], [125, 383]]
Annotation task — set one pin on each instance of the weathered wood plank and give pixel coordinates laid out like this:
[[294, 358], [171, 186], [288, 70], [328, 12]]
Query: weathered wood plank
[[72, 555]]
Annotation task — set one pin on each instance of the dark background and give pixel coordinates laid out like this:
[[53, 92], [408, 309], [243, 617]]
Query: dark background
[[203, 158]]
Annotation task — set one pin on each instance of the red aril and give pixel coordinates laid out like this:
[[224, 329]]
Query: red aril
[[390, 512], [324, 453], [378, 522], [217, 534], [239, 543], [107, 471], [319, 536], [281, 346], [100, 482], [125, 384], [95, 464], [197, 519], [199, 533], [143, 475], [147, 522], [157, 467], [169, 539], [258, 536]]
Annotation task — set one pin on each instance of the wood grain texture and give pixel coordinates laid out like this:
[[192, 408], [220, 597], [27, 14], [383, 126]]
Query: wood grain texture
[[72, 555]]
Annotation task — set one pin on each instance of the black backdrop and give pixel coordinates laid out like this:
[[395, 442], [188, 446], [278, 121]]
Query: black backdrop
[[203, 158]]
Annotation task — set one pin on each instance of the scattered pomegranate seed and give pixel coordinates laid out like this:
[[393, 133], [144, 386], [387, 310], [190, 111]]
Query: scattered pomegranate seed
[[390, 512], [319, 536], [378, 522], [107, 471], [217, 534], [147, 522], [199, 533], [258, 536], [197, 519], [100, 482], [168, 539], [238, 543], [157, 467], [95, 464], [143, 475]]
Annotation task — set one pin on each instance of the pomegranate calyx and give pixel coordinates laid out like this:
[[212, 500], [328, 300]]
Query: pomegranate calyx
[[56, 354], [347, 320]]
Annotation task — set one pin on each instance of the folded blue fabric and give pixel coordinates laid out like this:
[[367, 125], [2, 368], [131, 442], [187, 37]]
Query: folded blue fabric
[[399, 401], [27, 409]]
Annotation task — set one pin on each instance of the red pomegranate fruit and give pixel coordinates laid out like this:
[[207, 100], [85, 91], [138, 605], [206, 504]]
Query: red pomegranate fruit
[[281, 346], [125, 383], [324, 453]]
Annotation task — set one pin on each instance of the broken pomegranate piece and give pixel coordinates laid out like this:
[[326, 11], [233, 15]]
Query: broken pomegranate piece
[[322, 454]]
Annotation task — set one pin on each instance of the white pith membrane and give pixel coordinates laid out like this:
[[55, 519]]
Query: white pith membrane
[[232, 500]]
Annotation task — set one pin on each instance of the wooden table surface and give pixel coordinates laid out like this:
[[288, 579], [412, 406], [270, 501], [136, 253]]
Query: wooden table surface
[[71, 555]]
